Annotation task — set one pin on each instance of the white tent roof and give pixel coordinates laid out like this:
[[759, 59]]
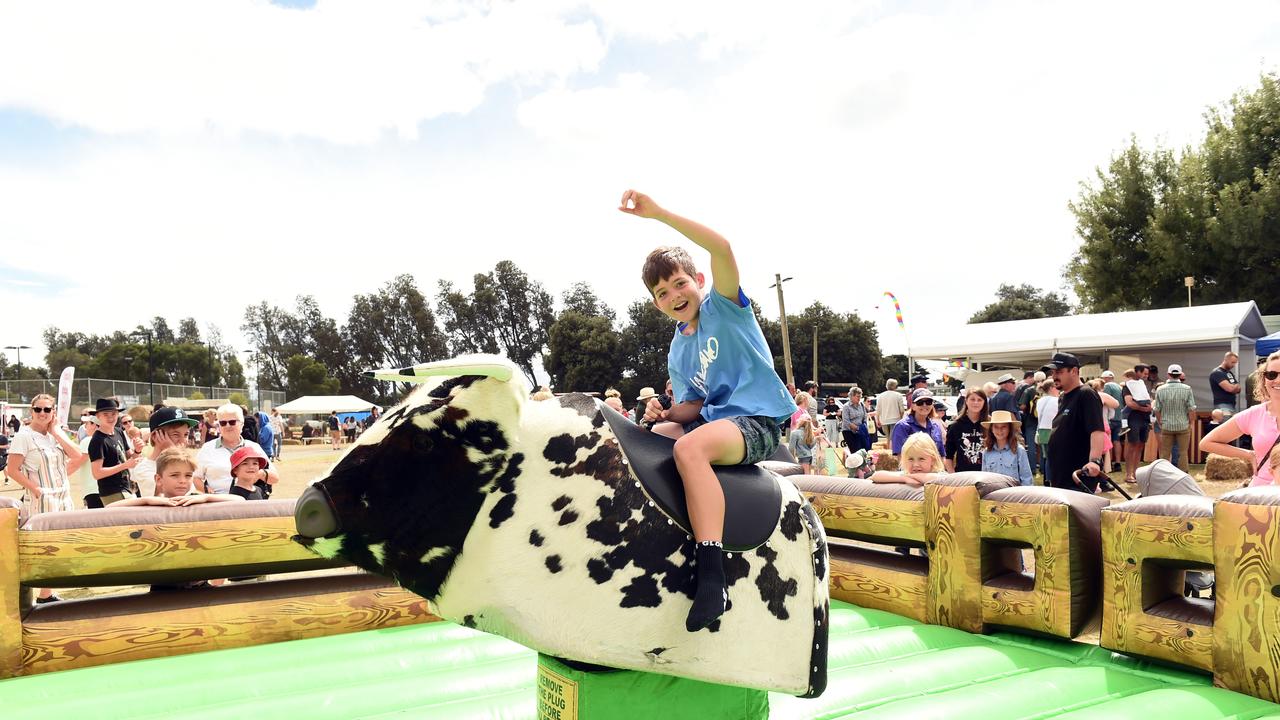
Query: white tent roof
[[324, 404], [1034, 340]]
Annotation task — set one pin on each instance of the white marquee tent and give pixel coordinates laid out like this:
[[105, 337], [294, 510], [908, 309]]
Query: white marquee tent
[[1195, 337], [324, 404]]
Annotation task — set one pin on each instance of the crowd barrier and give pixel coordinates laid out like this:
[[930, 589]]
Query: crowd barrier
[[171, 546], [1124, 562]]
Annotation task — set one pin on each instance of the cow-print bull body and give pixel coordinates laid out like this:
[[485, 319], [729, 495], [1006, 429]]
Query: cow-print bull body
[[522, 518]]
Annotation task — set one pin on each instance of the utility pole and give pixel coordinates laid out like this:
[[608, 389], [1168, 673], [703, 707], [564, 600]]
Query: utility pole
[[1190, 282], [815, 352], [786, 341]]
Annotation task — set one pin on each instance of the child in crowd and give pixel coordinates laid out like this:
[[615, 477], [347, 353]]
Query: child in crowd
[[175, 469], [245, 464], [920, 461], [729, 401], [806, 443], [1003, 452]]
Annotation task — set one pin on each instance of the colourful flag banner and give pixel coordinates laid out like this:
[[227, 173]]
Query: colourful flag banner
[[897, 309], [64, 395]]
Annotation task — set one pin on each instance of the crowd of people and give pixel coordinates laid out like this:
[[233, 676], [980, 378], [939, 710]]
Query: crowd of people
[[1009, 426]]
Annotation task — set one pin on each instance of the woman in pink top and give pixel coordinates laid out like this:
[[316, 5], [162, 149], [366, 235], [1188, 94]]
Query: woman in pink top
[[1262, 422]]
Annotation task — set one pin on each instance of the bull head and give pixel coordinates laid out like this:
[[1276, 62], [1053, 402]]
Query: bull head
[[402, 500]]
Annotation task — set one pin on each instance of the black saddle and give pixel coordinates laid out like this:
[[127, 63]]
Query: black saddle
[[752, 498]]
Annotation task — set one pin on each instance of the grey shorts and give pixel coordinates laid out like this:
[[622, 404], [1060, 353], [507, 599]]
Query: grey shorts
[[760, 434]]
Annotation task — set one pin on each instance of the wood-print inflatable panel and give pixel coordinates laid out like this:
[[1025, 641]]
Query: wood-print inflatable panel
[[1140, 555], [879, 579], [1046, 606], [1246, 638], [120, 637], [955, 577], [10, 612]]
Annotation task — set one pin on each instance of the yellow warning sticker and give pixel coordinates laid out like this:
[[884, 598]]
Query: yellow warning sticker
[[557, 696]]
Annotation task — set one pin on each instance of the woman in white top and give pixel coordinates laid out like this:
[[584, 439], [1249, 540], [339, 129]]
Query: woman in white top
[[42, 459], [1046, 411], [213, 471]]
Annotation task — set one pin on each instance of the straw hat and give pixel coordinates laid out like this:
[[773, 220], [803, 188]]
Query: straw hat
[[1001, 417]]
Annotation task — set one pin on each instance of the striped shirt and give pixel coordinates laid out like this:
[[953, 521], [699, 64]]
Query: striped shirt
[[1174, 401], [45, 464]]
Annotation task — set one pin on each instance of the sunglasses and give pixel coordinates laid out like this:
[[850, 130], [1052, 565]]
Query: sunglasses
[[1271, 374], [225, 423], [126, 422], [925, 401], [41, 410]]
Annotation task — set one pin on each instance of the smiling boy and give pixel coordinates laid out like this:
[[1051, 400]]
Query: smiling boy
[[729, 400]]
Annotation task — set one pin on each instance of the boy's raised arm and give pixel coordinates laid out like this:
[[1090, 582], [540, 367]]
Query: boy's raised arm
[[724, 267]]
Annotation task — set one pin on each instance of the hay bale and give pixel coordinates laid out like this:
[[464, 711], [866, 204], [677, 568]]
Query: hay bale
[[1217, 467], [885, 461]]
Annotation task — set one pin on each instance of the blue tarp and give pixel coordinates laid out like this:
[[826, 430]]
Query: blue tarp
[[1267, 345]]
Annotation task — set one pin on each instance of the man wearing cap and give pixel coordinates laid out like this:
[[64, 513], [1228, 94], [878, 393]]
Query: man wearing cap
[[1004, 399], [169, 427], [1175, 410], [1078, 436], [1112, 388], [920, 419]]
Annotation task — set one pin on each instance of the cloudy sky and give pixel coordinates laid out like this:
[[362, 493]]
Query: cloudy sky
[[189, 158]]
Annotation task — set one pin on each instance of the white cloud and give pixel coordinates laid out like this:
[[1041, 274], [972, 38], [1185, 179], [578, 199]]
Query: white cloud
[[344, 71]]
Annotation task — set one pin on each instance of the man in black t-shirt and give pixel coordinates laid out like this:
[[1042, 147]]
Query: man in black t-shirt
[[1224, 385], [1078, 435], [110, 461]]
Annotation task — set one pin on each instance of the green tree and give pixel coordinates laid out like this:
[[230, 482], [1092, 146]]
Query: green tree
[[393, 327], [582, 353], [643, 345], [461, 321], [895, 366], [506, 310], [580, 298], [1023, 302], [1211, 213], [308, 377], [848, 347]]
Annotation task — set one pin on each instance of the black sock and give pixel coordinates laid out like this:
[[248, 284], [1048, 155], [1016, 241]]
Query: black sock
[[711, 597]]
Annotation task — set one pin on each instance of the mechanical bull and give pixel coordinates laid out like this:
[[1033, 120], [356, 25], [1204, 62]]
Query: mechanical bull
[[561, 526]]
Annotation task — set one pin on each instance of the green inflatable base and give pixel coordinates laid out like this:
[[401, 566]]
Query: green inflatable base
[[880, 666], [565, 693]]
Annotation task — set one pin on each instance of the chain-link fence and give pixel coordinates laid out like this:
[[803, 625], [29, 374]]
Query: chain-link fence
[[84, 391]]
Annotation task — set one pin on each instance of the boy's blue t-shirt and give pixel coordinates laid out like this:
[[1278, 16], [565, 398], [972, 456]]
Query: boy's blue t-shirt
[[727, 364]]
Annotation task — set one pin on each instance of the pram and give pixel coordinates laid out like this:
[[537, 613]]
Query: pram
[[1164, 478]]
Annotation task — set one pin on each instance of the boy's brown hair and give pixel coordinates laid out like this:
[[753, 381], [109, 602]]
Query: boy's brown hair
[[173, 456], [664, 262]]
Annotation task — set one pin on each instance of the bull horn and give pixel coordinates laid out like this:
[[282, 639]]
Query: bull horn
[[486, 365]]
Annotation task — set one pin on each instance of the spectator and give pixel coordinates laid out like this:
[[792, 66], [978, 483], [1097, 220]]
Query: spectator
[[175, 470], [891, 406], [920, 382], [964, 437], [169, 427], [41, 460], [1004, 399], [349, 429], [615, 402], [248, 469], [1003, 451], [335, 430], [1139, 424], [543, 393], [811, 387], [1260, 421], [1077, 439], [1109, 407], [208, 426], [853, 422], [831, 421], [803, 402], [111, 460], [1114, 391], [15, 425], [1175, 409], [85, 431], [278, 425], [921, 463], [1025, 400], [1224, 385], [1046, 413], [248, 425], [804, 443], [213, 462], [920, 420]]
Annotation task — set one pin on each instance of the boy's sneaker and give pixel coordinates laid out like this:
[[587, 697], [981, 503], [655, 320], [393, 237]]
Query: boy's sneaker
[[46, 600]]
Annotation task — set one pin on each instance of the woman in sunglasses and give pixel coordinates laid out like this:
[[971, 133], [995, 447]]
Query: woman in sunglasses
[[42, 459], [919, 420], [213, 471], [1262, 422]]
